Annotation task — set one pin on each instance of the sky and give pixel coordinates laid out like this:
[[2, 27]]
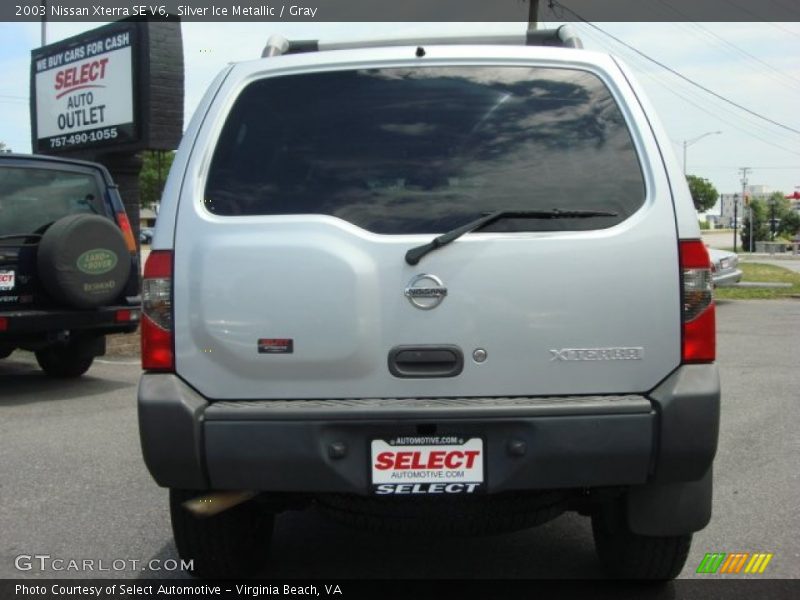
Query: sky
[[756, 65]]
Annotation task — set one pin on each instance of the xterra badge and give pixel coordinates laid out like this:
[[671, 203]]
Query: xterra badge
[[583, 354]]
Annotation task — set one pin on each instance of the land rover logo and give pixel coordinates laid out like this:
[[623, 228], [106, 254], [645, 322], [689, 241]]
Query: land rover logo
[[97, 261], [425, 291]]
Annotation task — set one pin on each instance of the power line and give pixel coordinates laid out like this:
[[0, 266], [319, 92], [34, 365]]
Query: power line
[[674, 72], [718, 111], [785, 77], [738, 123], [685, 20], [716, 115], [725, 120], [742, 123]]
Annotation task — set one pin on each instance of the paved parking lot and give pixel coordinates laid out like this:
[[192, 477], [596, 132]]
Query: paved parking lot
[[73, 484]]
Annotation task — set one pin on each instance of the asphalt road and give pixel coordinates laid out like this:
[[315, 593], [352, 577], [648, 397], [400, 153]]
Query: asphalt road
[[73, 484]]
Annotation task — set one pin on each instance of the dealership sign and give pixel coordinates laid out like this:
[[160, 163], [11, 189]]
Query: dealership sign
[[85, 91]]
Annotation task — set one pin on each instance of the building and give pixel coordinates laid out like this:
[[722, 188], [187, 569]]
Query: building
[[729, 201], [147, 216]]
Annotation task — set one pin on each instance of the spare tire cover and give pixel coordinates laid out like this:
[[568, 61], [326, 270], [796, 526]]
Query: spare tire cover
[[83, 260]]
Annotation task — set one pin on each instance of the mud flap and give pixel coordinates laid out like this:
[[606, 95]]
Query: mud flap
[[668, 509]]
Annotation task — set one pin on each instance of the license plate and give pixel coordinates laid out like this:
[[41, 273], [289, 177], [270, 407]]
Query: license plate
[[7, 280], [420, 465]]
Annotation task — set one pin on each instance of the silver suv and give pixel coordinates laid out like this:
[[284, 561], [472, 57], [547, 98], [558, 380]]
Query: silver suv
[[443, 286]]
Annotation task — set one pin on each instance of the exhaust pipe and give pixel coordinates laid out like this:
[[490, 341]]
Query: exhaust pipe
[[216, 502]]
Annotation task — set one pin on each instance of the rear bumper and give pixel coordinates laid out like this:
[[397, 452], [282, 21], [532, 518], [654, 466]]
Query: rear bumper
[[668, 435], [726, 278], [22, 325]]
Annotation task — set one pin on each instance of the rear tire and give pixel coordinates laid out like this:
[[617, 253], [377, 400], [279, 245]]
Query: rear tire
[[628, 555], [63, 362], [233, 543], [6, 352]]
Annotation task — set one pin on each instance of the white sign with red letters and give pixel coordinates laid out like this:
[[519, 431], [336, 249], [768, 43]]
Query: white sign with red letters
[[7, 280], [427, 465], [84, 94]]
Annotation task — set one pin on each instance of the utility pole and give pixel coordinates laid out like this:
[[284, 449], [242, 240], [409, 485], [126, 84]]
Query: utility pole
[[735, 219], [772, 219], [533, 15], [44, 22], [744, 171]]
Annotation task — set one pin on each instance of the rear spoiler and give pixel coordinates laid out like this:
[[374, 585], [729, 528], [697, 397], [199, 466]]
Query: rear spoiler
[[563, 37]]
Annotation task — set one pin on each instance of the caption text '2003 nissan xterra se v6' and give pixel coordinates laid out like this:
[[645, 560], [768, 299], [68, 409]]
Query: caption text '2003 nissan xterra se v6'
[[430, 286]]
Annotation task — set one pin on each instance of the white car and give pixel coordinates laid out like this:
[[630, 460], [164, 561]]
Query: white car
[[724, 267]]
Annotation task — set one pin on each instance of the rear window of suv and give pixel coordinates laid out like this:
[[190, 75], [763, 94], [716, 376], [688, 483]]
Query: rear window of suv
[[31, 198], [424, 150]]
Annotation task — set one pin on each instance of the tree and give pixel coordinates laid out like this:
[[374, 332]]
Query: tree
[[760, 213], [4, 148], [787, 220], [155, 167], [703, 193], [790, 225]]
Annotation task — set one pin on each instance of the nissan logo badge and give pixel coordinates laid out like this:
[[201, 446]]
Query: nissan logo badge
[[425, 291]]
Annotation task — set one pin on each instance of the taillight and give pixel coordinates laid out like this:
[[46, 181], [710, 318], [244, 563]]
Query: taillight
[[127, 231], [157, 336], [3, 324], [699, 319], [126, 316]]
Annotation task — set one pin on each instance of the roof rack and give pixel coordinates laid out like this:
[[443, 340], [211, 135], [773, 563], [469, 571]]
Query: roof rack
[[563, 36]]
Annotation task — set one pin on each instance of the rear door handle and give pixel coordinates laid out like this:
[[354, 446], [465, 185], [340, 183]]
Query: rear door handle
[[426, 361]]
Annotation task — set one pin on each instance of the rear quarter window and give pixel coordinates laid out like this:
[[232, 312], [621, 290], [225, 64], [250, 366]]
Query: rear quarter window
[[424, 150]]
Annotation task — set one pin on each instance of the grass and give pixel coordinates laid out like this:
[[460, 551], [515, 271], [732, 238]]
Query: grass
[[762, 273]]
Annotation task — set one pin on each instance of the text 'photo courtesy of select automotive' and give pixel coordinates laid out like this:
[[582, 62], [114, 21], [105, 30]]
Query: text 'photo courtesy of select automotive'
[[380, 299]]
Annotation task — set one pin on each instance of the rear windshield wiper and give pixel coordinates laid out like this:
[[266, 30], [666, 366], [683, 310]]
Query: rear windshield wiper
[[414, 255]]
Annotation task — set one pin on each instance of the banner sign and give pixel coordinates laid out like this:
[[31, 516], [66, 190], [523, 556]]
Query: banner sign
[[84, 91], [316, 11]]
